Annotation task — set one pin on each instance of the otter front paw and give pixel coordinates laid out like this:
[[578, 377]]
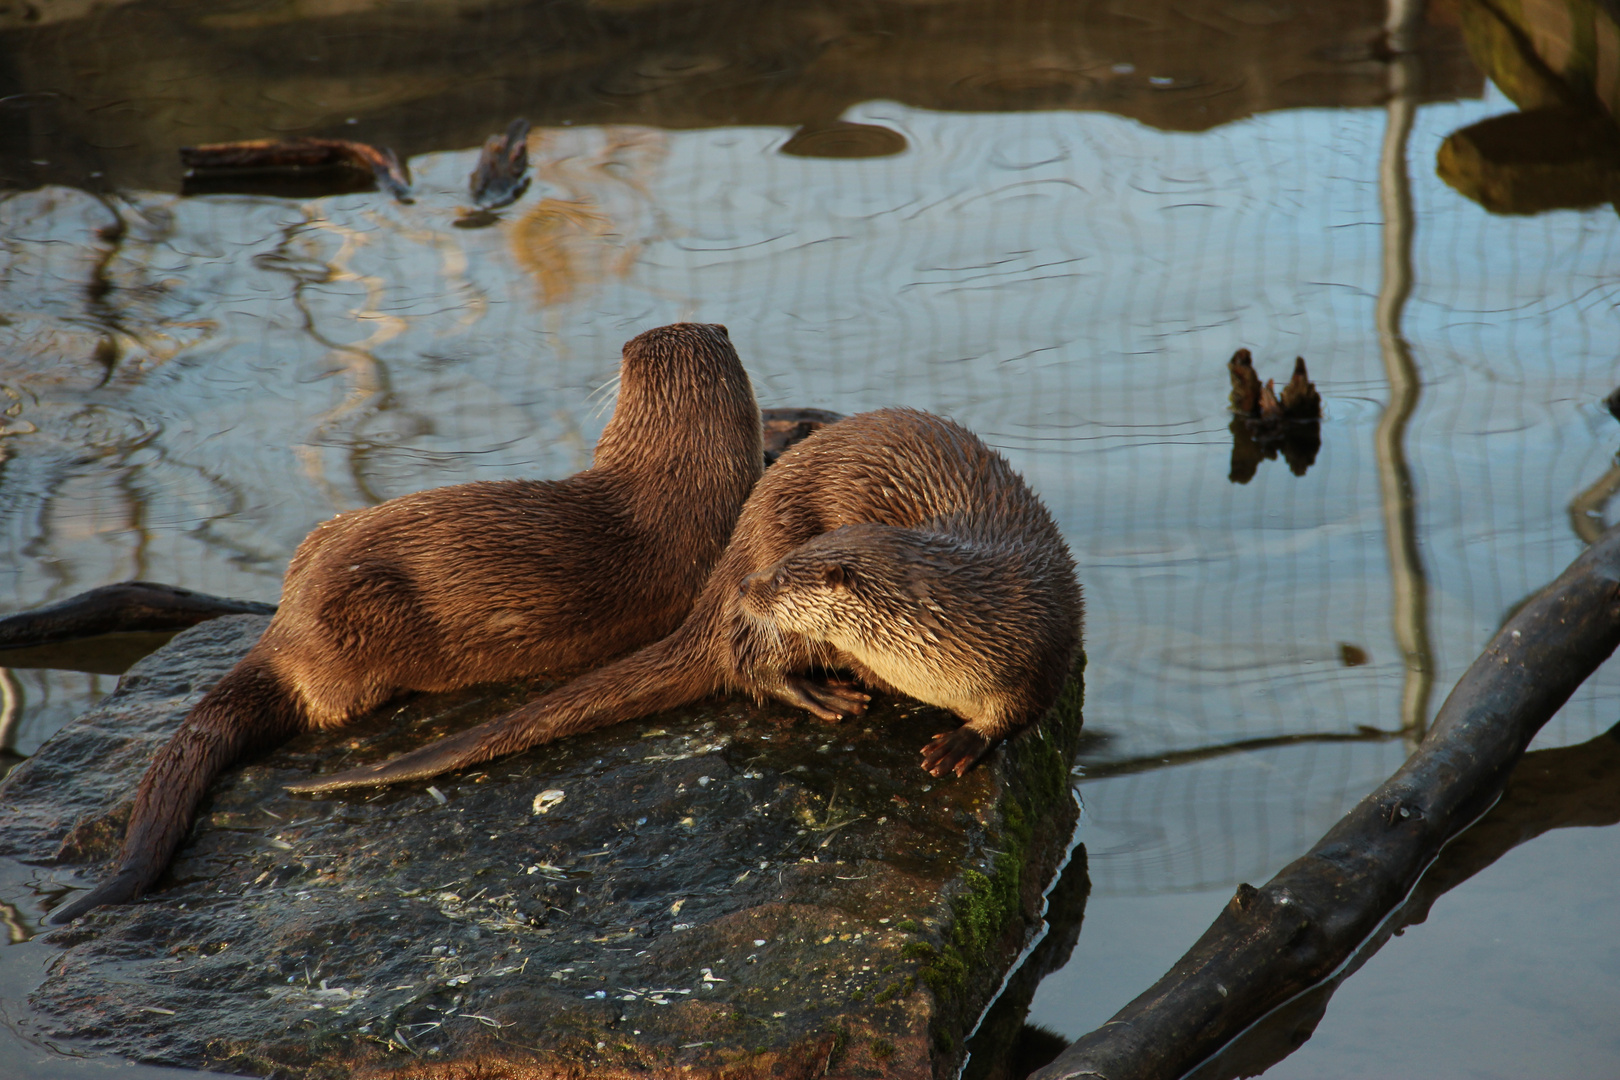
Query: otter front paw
[[954, 751]]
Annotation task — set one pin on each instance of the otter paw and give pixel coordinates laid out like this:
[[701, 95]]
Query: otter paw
[[826, 700], [954, 751]]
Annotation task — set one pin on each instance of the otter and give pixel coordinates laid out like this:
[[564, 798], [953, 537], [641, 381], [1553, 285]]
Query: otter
[[981, 629], [480, 582], [893, 545]]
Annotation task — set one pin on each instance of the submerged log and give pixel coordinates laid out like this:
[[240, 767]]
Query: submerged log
[[295, 157], [724, 891], [127, 607], [1273, 943]]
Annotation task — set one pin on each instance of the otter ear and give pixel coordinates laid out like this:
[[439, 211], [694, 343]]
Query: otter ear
[[834, 576]]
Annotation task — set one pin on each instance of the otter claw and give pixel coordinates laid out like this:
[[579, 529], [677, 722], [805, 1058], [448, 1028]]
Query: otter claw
[[954, 751]]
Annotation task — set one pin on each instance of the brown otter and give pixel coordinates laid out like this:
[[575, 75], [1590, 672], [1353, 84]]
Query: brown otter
[[480, 582], [917, 514], [967, 625]]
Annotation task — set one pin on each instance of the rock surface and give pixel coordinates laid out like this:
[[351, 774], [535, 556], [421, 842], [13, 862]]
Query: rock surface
[[722, 891]]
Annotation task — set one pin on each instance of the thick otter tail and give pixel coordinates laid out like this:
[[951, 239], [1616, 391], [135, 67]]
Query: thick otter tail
[[663, 675], [248, 710]]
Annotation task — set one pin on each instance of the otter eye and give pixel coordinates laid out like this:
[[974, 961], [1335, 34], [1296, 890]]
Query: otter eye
[[780, 580], [833, 576]]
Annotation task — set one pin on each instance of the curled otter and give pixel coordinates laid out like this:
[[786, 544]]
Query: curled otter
[[967, 626], [952, 584], [480, 582]]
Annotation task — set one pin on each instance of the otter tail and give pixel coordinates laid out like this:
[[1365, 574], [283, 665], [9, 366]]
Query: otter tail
[[248, 710], [663, 675]]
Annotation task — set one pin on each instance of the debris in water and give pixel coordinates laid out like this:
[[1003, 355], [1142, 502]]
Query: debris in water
[[1266, 423], [213, 166], [501, 176]]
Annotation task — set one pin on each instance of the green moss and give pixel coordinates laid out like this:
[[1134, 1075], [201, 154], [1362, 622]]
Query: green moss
[[917, 950], [857, 995], [888, 993], [947, 974], [909, 926], [882, 1049], [990, 902]]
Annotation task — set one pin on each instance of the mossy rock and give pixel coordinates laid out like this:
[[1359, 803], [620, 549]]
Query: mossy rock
[[722, 891]]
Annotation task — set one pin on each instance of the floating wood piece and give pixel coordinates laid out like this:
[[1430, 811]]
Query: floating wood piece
[[1270, 410], [1300, 401], [1270, 944], [1266, 424], [126, 607], [297, 156], [1245, 384], [502, 174]]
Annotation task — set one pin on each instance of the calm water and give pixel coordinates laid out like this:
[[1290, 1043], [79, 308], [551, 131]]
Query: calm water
[[1079, 220]]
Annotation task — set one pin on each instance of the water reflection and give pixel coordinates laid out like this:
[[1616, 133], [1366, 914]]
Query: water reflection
[[100, 96], [1558, 62], [1408, 580], [989, 210]]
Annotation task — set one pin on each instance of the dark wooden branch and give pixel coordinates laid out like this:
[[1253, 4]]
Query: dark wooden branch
[[303, 155], [1270, 944], [1571, 786], [126, 607]]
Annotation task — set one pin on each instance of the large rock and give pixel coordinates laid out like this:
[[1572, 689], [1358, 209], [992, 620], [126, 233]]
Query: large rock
[[720, 891]]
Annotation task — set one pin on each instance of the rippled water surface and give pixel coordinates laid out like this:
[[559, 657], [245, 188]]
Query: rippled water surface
[[1056, 232]]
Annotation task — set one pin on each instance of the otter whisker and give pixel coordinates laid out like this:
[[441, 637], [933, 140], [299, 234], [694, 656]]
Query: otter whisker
[[608, 393]]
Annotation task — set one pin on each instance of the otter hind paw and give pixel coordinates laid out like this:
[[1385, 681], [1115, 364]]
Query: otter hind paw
[[954, 751], [830, 701]]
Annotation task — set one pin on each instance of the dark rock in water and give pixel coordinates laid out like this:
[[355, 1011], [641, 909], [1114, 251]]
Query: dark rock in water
[[1534, 161], [783, 428], [127, 607], [724, 890]]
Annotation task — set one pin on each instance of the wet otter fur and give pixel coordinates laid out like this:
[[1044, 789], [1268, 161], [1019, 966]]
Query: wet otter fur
[[480, 582], [916, 513], [969, 626]]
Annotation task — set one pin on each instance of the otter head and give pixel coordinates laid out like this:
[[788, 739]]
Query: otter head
[[679, 361], [686, 410], [838, 586]]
